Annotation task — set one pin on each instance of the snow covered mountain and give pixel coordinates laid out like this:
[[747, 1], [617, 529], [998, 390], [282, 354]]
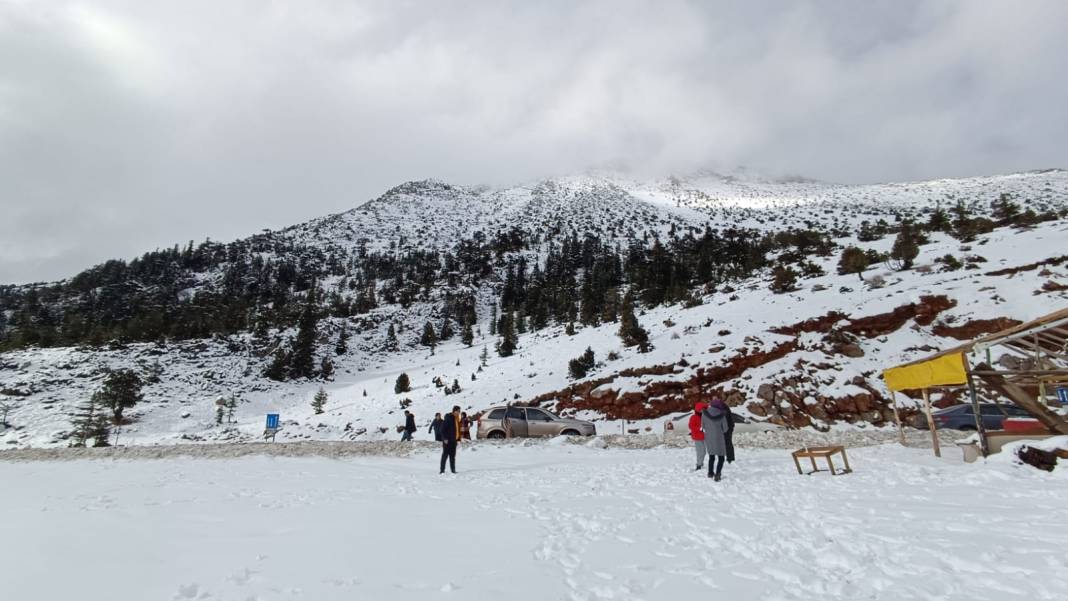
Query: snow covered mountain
[[204, 323]]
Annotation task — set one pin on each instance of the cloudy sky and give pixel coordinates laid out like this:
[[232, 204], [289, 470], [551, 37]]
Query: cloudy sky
[[126, 125]]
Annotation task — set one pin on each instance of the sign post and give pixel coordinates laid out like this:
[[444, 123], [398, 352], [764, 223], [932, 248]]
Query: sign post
[[272, 427]]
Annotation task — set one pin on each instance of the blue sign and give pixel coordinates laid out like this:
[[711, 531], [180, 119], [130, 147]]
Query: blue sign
[[1062, 395], [272, 421]]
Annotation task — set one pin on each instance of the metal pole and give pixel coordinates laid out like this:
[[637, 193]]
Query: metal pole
[[931, 423], [897, 418]]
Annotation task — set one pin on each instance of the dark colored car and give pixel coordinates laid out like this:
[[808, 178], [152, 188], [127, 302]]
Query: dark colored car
[[962, 417]]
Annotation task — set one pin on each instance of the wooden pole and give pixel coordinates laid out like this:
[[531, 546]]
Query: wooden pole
[[897, 418], [931, 423], [980, 428]]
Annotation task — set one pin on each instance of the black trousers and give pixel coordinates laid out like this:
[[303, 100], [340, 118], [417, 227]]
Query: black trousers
[[448, 451], [716, 460]]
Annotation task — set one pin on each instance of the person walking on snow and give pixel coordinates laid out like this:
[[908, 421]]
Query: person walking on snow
[[450, 438], [409, 425], [697, 435], [435, 427], [714, 422]]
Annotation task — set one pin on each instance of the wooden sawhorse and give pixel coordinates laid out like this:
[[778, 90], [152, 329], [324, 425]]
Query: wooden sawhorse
[[825, 452]]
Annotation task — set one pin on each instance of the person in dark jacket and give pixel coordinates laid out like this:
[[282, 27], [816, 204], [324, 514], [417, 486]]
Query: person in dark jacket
[[729, 435], [450, 438], [435, 427], [714, 422], [409, 425]]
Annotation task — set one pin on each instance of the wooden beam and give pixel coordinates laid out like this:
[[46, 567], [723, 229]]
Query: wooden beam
[[1063, 333], [897, 418], [1032, 347], [980, 428], [931, 423], [999, 384]]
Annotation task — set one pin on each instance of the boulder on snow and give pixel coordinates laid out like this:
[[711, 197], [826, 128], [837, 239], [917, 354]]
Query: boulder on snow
[[851, 350]]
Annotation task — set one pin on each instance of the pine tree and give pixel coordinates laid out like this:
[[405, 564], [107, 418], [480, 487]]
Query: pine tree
[[610, 308], [319, 401], [121, 390], [84, 420], [938, 221], [391, 338], [467, 335], [1004, 210], [279, 367], [578, 368], [219, 412], [101, 431], [5, 408], [630, 330], [445, 333], [429, 338], [455, 386], [231, 408], [509, 339], [483, 357], [402, 385], [326, 368], [784, 279], [869, 232], [493, 320], [342, 341], [302, 360], [906, 246], [963, 225], [854, 260]]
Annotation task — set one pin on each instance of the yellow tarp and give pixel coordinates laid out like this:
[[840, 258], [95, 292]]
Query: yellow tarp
[[943, 370]]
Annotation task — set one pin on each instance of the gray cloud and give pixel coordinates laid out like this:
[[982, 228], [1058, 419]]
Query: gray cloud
[[129, 125]]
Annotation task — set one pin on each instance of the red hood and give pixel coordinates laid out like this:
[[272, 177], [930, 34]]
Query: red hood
[[699, 407]]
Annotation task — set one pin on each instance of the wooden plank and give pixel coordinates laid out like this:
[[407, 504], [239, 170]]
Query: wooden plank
[[1030, 347], [931, 423]]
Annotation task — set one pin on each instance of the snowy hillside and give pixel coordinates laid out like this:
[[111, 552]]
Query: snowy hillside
[[810, 356]]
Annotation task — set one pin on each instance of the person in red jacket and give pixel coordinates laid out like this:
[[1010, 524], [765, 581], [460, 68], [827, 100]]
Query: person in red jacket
[[697, 434]]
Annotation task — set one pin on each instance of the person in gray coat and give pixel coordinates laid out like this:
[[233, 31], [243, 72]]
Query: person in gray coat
[[714, 421]]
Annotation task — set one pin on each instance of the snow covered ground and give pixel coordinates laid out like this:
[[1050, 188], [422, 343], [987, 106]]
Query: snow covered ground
[[536, 521]]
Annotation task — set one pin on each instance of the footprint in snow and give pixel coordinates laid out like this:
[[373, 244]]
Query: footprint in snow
[[242, 577], [190, 591]]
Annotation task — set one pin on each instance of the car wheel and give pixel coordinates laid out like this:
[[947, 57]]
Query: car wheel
[[569, 433], [496, 435], [966, 428]]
